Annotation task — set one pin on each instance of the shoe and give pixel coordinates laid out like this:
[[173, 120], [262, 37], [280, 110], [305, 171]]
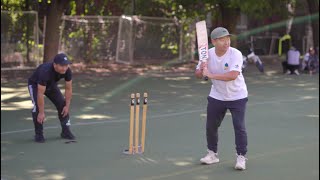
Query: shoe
[[310, 73], [241, 162], [288, 72], [66, 134], [39, 138], [210, 158], [296, 72]]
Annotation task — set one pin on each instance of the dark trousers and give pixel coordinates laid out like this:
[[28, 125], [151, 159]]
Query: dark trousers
[[290, 67], [216, 110], [56, 97]]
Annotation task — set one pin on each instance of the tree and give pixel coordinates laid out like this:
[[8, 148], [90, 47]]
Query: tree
[[55, 11], [224, 12], [15, 5], [313, 9]]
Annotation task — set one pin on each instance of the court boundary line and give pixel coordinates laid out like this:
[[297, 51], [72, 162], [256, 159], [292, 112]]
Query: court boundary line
[[254, 157], [156, 116]]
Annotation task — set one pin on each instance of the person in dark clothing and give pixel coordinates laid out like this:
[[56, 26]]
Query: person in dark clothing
[[313, 61], [44, 81]]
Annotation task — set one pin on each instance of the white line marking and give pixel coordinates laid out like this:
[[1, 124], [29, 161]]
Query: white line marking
[[155, 116], [253, 157]]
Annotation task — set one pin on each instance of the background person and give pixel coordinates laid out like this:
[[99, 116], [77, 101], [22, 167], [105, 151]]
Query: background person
[[292, 64]]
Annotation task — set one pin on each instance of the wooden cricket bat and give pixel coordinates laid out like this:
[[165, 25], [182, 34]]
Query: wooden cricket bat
[[202, 39]]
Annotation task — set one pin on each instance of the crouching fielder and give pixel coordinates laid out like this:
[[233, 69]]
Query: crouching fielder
[[228, 91], [44, 82]]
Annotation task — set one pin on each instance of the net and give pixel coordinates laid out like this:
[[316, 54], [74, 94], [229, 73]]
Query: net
[[153, 40], [89, 39], [125, 39]]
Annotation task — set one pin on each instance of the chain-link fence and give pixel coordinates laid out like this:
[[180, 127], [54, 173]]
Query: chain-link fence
[[19, 40], [126, 39]]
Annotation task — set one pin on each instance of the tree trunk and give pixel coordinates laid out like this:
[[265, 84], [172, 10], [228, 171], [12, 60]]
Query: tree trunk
[[229, 18], [314, 8], [28, 32], [55, 12], [80, 7]]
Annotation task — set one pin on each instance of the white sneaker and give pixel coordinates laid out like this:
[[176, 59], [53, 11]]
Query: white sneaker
[[241, 162], [288, 72], [210, 158], [296, 72]]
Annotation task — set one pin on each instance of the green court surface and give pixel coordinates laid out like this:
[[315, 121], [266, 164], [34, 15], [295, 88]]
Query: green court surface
[[282, 122]]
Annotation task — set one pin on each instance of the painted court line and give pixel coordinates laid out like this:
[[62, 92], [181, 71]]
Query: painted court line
[[253, 157], [155, 116], [103, 122]]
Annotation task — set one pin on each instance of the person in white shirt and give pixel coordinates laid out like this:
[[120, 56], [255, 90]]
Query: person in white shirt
[[228, 91], [304, 63]]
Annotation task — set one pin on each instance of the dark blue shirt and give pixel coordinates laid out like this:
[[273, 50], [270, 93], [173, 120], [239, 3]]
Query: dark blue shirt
[[45, 75]]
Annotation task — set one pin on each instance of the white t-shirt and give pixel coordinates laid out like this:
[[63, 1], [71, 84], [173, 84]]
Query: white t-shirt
[[293, 57], [230, 61], [306, 57]]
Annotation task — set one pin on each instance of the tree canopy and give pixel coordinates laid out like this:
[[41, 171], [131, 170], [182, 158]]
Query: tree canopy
[[223, 12]]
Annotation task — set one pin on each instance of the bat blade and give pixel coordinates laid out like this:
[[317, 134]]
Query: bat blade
[[202, 40]]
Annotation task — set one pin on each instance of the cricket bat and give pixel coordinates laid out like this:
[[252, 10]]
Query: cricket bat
[[202, 38]]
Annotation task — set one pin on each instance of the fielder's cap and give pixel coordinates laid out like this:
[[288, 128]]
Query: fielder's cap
[[219, 32], [61, 59]]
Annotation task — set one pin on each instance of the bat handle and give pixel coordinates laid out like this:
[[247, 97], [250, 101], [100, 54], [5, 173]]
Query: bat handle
[[206, 77]]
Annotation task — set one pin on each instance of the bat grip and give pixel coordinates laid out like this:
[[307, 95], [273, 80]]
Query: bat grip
[[206, 77]]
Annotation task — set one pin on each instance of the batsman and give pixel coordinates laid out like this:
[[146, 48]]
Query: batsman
[[228, 91]]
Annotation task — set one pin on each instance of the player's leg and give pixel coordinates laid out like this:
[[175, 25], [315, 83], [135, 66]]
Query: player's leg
[[313, 66], [303, 65], [215, 114], [290, 69], [237, 109], [245, 62], [296, 69], [38, 127], [56, 97], [216, 111], [258, 63]]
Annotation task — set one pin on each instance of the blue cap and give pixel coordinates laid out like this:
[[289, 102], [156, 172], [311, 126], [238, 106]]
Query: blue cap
[[219, 32], [61, 59]]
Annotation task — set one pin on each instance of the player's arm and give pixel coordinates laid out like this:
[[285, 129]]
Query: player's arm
[[235, 69], [68, 96], [68, 92], [40, 102], [228, 76], [198, 73]]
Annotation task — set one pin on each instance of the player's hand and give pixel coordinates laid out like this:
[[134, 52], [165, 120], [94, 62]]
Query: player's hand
[[202, 66], [205, 72], [65, 111], [41, 118]]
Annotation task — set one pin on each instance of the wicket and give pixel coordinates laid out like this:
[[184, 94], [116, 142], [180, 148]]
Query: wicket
[[134, 124]]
